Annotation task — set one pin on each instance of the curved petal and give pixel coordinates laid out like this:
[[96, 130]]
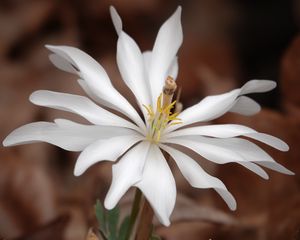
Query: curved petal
[[246, 106], [96, 78], [258, 86], [167, 43], [269, 140], [173, 70], [228, 131], [62, 64], [63, 133], [131, 65], [217, 153], [209, 108], [250, 152], [256, 169], [276, 167], [116, 19], [109, 149], [158, 185], [215, 106], [212, 152], [81, 106], [197, 177], [217, 130], [126, 173], [147, 56]]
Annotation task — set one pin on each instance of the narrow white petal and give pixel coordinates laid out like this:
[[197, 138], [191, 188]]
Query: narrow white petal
[[63, 133], [79, 105], [158, 185], [245, 106], [209, 108], [62, 64], [217, 130], [109, 150], [215, 106], [131, 65], [276, 167], [216, 152], [228, 131], [173, 70], [197, 177], [90, 94], [116, 19], [167, 43], [258, 86], [251, 153], [209, 151], [255, 168], [147, 56], [126, 173], [96, 78], [269, 140]]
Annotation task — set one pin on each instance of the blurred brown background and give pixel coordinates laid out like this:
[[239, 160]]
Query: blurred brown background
[[226, 43]]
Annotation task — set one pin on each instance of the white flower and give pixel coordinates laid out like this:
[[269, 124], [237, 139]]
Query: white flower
[[138, 143]]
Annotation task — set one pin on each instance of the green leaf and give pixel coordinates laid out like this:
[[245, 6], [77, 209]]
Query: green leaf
[[124, 228], [112, 221], [100, 215]]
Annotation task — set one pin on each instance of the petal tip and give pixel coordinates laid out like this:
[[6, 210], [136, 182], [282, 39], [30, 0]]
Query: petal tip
[[33, 96], [77, 172], [108, 205], [5, 142], [116, 19], [178, 12], [50, 47]]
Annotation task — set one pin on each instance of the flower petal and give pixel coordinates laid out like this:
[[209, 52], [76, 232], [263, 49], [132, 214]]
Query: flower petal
[[250, 152], [62, 64], [96, 78], [228, 131], [116, 19], [217, 130], [269, 140], [147, 56], [215, 106], [276, 167], [126, 173], [131, 65], [245, 106], [158, 185], [212, 152], [216, 153], [173, 70], [63, 133], [256, 169], [167, 43], [197, 177], [209, 108], [81, 106], [258, 86], [109, 150]]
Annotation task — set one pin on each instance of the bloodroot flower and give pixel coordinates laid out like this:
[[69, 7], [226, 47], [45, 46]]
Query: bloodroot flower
[[137, 143]]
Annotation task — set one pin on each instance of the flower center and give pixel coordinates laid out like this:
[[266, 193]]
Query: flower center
[[159, 120]]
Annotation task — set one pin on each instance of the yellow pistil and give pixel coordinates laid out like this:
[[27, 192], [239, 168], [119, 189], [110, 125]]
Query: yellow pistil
[[163, 116]]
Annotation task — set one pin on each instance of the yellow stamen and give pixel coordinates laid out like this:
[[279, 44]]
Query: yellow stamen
[[159, 120]]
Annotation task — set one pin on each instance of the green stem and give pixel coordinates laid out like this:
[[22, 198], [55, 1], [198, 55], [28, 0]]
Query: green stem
[[134, 211]]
